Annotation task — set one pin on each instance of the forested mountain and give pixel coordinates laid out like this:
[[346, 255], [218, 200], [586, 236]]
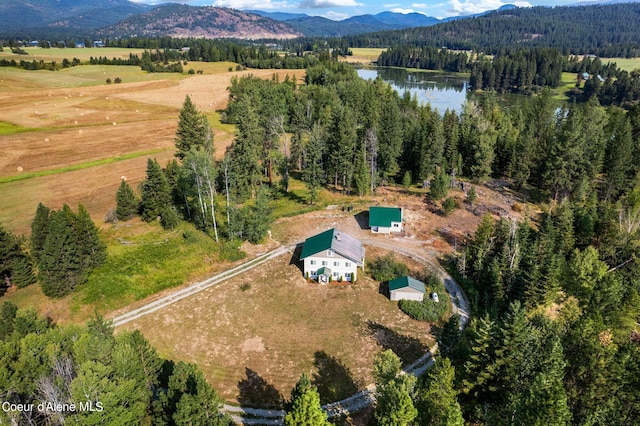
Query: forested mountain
[[177, 20], [44, 17], [608, 30]]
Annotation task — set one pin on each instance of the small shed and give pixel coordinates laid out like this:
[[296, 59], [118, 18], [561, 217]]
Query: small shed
[[385, 220], [406, 288]]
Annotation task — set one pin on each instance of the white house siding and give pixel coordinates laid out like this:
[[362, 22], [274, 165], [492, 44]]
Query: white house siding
[[341, 269], [406, 294], [395, 227]]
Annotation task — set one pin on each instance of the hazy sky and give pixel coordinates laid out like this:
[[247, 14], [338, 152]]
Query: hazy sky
[[340, 9]]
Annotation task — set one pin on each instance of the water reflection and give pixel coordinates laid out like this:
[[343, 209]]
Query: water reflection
[[443, 91]]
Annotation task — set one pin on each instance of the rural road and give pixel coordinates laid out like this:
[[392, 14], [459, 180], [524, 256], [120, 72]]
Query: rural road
[[356, 402]]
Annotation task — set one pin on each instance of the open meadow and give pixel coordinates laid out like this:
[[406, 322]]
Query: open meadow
[[68, 137]]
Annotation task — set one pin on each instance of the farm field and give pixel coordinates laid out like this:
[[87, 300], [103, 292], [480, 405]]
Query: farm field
[[364, 56], [68, 137], [627, 64]]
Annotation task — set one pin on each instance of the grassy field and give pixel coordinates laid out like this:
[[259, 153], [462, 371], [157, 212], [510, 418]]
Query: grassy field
[[58, 54], [568, 82], [68, 137], [363, 55], [627, 64], [255, 334]]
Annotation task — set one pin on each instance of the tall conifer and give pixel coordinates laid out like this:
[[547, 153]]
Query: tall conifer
[[127, 204]]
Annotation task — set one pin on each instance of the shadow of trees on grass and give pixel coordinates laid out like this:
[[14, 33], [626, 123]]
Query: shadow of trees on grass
[[257, 392], [332, 378], [407, 348]]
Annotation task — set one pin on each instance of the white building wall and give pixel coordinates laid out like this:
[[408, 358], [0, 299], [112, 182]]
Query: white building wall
[[386, 229], [404, 294], [341, 269]]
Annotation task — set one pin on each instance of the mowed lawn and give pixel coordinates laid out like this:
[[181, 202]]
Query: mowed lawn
[[255, 334], [627, 64]]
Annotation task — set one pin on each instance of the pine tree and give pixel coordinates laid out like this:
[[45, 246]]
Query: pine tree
[[60, 269], [313, 174], [303, 409], [439, 186], [91, 249], [10, 252], [193, 130], [40, 230], [155, 195], [23, 273], [394, 403], [127, 204], [437, 400]]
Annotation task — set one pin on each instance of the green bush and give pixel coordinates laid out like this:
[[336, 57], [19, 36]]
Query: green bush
[[448, 206], [230, 251], [386, 268], [169, 218], [427, 310]]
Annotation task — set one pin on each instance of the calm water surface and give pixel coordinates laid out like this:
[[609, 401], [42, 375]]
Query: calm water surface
[[443, 91]]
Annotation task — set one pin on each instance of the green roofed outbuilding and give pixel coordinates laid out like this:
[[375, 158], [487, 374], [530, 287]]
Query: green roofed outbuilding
[[384, 220], [406, 288]]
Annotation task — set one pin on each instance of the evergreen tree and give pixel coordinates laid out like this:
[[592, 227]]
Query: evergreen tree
[[60, 268], [313, 174], [155, 195], [244, 153], [437, 401], [91, 249], [23, 272], [303, 409], [193, 130], [39, 230], [258, 218], [449, 336], [13, 262], [394, 403], [127, 204], [439, 186]]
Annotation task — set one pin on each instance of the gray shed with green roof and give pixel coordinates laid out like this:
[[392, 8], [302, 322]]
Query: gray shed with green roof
[[406, 288], [384, 220]]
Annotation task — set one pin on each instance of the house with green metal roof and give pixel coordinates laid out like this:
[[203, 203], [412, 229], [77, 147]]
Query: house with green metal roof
[[384, 220], [406, 288], [332, 255]]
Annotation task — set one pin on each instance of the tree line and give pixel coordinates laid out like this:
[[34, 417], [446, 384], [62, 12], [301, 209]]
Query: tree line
[[356, 135], [603, 30]]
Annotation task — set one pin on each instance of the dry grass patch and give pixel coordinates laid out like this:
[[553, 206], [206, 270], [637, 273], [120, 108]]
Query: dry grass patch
[[255, 334]]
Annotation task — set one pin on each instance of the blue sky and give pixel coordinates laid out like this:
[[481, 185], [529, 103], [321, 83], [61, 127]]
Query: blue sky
[[340, 9]]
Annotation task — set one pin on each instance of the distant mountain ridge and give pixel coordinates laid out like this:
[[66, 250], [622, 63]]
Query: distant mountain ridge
[[318, 26], [39, 17], [182, 21]]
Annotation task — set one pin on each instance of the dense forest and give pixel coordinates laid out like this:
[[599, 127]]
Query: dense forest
[[603, 30]]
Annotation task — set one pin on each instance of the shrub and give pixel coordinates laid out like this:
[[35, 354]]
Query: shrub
[[471, 196], [448, 206], [230, 251], [386, 268], [118, 80], [245, 286], [108, 81], [406, 180], [192, 71], [230, 69], [111, 217], [169, 217]]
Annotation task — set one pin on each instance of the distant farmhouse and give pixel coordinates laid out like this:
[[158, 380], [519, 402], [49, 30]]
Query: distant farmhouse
[[406, 288], [332, 255], [384, 220]]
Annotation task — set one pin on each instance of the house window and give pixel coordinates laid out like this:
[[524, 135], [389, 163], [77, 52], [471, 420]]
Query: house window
[[395, 225], [336, 274], [336, 263], [314, 273], [347, 276], [347, 264], [329, 252], [324, 263], [312, 262]]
